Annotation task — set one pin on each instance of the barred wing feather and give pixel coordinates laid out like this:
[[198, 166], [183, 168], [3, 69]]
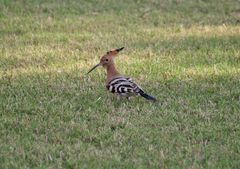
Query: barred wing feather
[[123, 86]]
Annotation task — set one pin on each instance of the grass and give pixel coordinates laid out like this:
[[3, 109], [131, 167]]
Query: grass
[[186, 53]]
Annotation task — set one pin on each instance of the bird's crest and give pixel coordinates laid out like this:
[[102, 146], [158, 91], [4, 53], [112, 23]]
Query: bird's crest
[[107, 58]]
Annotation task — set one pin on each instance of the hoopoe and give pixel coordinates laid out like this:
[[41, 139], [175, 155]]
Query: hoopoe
[[117, 83]]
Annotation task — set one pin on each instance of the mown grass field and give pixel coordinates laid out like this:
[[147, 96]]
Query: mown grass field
[[186, 53]]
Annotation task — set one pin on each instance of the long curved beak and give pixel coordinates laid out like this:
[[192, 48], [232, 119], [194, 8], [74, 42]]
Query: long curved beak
[[94, 67]]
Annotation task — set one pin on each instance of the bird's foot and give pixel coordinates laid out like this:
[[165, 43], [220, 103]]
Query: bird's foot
[[129, 98]]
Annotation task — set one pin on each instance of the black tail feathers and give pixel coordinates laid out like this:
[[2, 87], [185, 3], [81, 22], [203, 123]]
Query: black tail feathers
[[147, 96]]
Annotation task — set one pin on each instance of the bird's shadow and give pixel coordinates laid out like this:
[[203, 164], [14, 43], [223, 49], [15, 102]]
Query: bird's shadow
[[119, 102]]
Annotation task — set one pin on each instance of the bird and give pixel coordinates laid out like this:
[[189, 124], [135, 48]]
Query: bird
[[118, 83]]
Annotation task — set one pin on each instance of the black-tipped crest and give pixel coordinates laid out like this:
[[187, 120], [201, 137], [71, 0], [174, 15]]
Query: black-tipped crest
[[119, 49]]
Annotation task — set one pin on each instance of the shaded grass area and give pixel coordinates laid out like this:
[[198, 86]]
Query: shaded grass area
[[186, 53]]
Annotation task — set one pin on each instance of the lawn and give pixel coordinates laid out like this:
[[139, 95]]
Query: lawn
[[184, 52]]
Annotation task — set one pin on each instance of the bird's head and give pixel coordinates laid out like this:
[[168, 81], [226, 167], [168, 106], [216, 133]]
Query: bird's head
[[107, 59]]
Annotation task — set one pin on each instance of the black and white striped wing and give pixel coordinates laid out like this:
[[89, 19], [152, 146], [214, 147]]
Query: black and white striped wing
[[123, 86]]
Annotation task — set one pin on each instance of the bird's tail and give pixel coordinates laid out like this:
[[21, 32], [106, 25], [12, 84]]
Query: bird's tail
[[147, 96]]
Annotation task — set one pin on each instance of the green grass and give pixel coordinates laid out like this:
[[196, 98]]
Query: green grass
[[186, 53]]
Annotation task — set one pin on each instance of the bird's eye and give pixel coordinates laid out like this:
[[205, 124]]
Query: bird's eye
[[108, 52], [106, 59]]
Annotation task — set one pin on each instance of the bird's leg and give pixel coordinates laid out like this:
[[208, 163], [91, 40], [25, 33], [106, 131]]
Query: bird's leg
[[122, 98], [129, 98], [111, 97], [119, 97]]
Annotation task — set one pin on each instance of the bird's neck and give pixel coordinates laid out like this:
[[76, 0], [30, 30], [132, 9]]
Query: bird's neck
[[111, 72]]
